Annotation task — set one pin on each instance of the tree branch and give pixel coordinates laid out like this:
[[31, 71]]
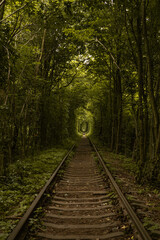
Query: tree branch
[[30, 38], [14, 11], [8, 76], [2, 2], [69, 82], [109, 54]]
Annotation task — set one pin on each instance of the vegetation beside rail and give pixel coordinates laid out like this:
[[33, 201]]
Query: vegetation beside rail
[[124, 170], [21, 185]]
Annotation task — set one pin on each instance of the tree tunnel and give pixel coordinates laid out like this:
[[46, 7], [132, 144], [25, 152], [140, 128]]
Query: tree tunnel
[[84, 127], [84, 121]]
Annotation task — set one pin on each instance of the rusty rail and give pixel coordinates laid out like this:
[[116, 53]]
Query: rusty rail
[[138, 224]]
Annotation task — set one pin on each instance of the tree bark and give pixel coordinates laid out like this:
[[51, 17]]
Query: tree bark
[[151, 92], [150, 72], [141, 90]]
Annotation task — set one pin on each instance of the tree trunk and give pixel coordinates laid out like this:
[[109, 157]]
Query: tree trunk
[[150, 72], [151, 91], [141, 90], [119, 111]]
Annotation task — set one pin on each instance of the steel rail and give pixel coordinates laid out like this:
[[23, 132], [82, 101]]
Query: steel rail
[[16, 231], [139, 226]]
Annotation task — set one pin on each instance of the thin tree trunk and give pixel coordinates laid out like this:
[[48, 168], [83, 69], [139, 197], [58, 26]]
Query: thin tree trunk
[[141, 90], [119, 112], [42, 50]]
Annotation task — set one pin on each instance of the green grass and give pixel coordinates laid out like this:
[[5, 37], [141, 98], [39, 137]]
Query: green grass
[[150, 225], [127, 163], [24, 180]]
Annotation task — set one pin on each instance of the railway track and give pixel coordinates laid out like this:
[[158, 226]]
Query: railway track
[[84, 205]]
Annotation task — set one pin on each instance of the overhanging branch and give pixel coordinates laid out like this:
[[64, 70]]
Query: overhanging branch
[[14, 11], [109, 53]]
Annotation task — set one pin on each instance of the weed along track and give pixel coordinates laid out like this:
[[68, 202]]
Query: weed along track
[[84, 205]]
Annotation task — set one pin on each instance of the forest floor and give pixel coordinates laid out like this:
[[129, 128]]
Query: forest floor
[[24, 180], [145, 199]]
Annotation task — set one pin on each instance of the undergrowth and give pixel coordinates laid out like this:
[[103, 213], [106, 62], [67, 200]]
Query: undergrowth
[[24, 180]]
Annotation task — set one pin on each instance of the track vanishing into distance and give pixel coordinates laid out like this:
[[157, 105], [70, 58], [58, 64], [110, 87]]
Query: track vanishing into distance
[[85, 206]]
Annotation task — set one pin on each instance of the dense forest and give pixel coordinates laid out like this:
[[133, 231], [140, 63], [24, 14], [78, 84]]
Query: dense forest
[[69, 62]]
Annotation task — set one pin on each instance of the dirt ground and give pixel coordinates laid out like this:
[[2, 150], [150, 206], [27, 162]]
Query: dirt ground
[[143, 198]]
